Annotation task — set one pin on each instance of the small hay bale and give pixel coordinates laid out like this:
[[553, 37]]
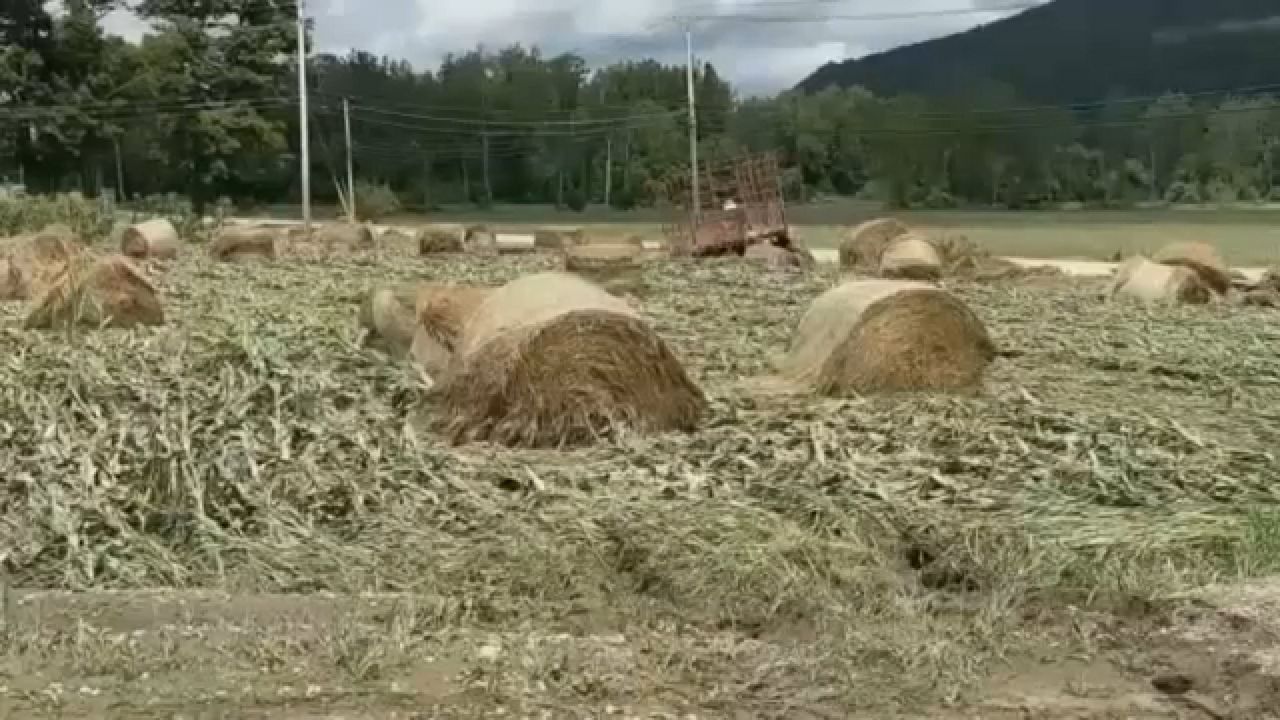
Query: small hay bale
[[548, 239], [439, 240], [551, 360], [156, 238], [235, 244], [774, 257], [481, 240], [346, 236], [1150, 282], [616, 267], [110, 291], [911, 257], [1201, 257], [888, 335], [387, 316], [861, 247]]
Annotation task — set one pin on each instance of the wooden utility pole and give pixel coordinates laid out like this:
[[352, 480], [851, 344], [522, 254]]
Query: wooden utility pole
[[115, 142], [608, 169], [351, 171], [695, 209]]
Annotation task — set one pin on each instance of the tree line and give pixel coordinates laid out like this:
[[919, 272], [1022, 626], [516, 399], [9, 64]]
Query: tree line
[[206, 105]]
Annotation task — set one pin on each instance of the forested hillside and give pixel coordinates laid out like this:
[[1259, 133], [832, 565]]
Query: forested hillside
[[207, 107], [1071, 51]]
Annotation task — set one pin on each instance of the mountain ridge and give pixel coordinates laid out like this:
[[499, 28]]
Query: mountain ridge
[[1073, 51]]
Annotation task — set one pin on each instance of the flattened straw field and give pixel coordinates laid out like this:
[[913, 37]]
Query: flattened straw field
[[922, 554]]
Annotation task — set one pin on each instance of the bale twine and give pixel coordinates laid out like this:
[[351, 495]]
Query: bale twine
[[481, 240], [437, 240], [441, 312], [110, 291], [616, 267], [888, 335], [861, 247], [774, 257], [911, 257], [1150, 282], [156, 238], [346, 236], [235, 244], [387, 317], [1202, 258], [551, 360]]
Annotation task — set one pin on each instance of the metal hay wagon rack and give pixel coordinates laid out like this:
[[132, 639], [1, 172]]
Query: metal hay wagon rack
[[739, 201]]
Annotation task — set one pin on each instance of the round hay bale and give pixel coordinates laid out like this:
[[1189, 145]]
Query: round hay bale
[[1151, 282], [774, 257], [1201, 257], [235, 244], [550, 360], [616, 267], [548, 239], [479, 239], [156, 238], [387, 317], [888, 335], [910, 257], [440, 240], [110, 291], [346, 236], [861, 247]]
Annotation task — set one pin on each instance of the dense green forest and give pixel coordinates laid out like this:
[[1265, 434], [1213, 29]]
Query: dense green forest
[[1076, 51], [207, 106]]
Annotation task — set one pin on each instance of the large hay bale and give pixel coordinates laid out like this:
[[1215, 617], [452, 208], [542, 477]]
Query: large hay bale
[[616, 267], [437, 240], [346, 236], [387, 317], [551, 360], [235, 244], [774, 257], [1150, 282], [156, 238], [109, 291], [888, 335], [1201, 257], [911, 257], [861, 247]]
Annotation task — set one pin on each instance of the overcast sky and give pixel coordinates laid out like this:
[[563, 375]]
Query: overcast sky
[[757, 57]]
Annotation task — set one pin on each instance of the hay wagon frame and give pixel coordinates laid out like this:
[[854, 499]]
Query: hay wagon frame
[[754, 185]]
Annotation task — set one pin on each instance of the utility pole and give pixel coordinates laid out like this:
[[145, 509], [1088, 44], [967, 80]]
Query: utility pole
[[695, 210], [351, 172], [119, 170], [608, 169], [304, 137]]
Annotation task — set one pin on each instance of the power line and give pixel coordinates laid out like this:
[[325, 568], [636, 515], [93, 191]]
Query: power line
[[585, 122], [833, 17]]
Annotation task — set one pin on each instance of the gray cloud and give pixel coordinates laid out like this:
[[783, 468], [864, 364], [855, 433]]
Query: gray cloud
[[758, 56]]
